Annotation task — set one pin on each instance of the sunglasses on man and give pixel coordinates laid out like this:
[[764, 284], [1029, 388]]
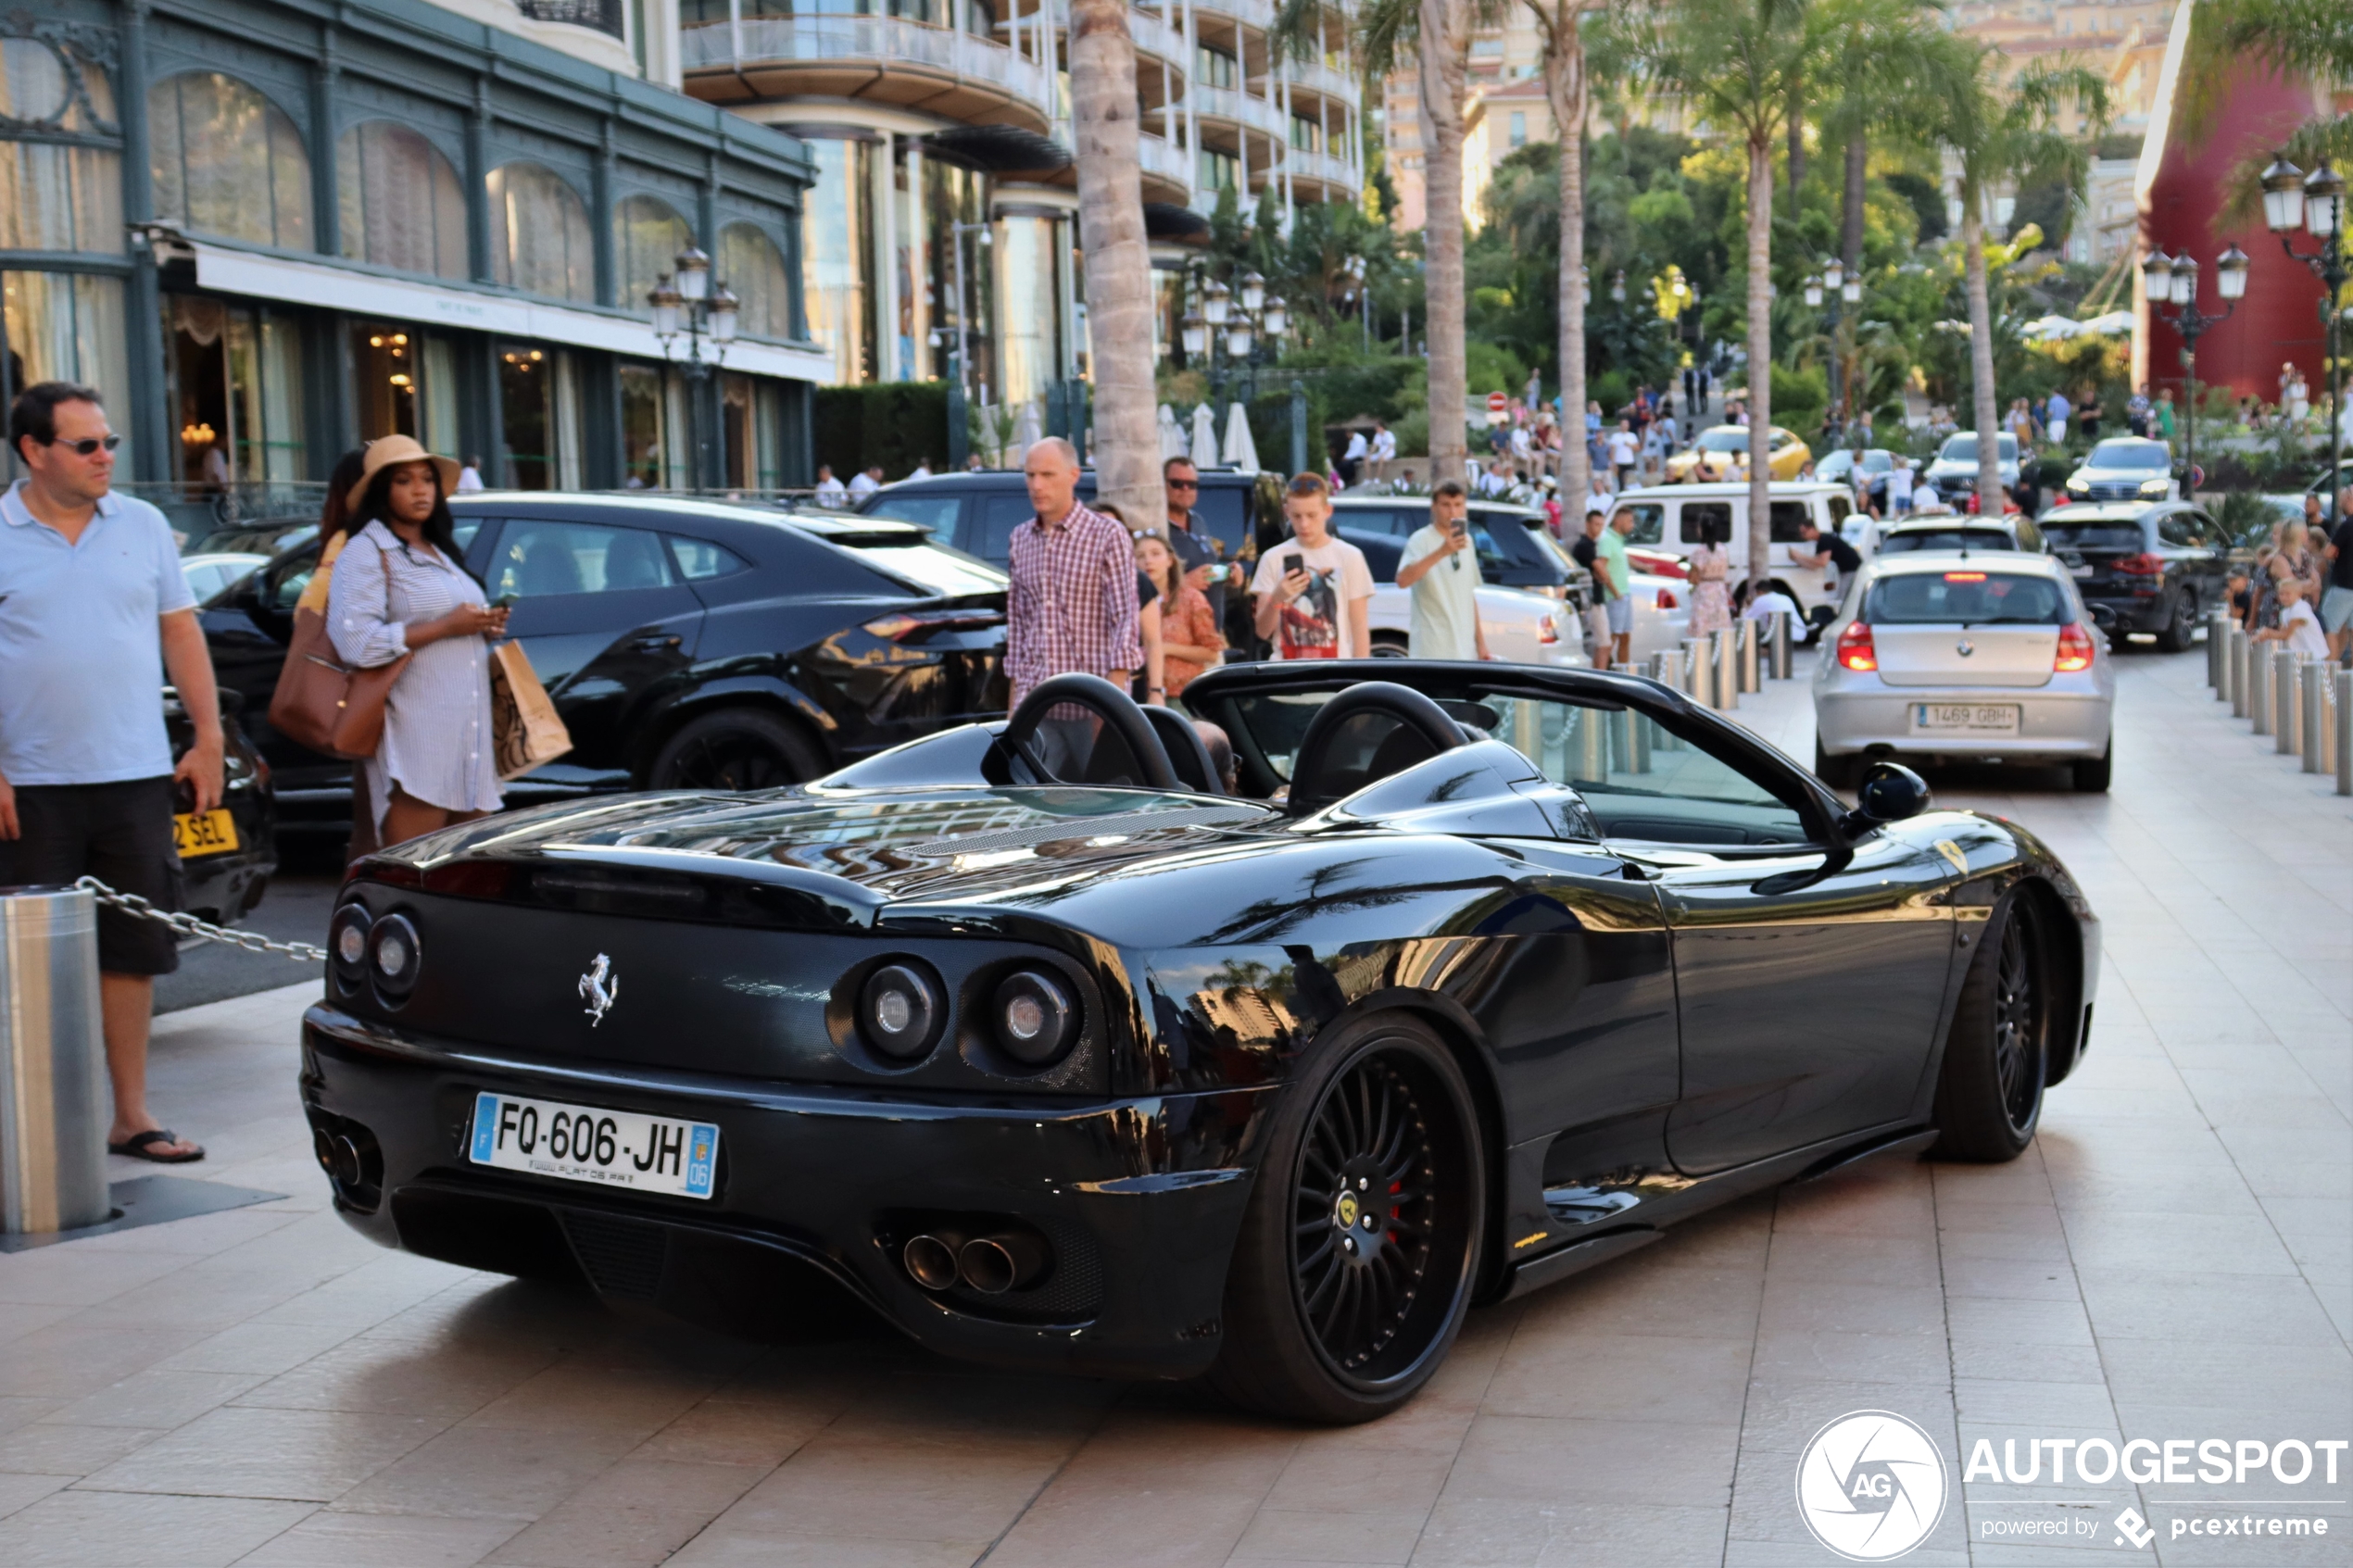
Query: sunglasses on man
[[87, 445], [1182, 484]]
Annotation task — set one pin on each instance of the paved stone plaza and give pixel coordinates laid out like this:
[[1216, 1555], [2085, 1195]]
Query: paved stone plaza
[[2170, 1261]]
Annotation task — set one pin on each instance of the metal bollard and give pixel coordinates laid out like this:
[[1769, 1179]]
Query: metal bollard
[[2259, 687], [1727, 650], [54, 1098], [1592, 744], [2342, 733], [1699, 681], [2284, 702], [2235, 670], [1752, 661], [1781, 656], [2313, 731], [2214, 676]]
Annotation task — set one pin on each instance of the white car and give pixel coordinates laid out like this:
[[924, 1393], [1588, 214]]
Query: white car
[[1984, 658], [209, 573], [1671, 518], [1521, 627]]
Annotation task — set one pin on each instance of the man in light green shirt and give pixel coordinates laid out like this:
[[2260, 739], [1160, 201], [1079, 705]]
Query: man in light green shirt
[[1618, 585], [1442, 569]]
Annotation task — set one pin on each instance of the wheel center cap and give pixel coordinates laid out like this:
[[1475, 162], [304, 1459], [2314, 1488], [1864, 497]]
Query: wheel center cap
[[1346, 1210]]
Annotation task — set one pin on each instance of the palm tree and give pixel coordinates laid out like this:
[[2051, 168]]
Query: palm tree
[[1111, 233], [2000, 134], [1738, 65], [2296, 38], [1877, 52], [1560, 26]]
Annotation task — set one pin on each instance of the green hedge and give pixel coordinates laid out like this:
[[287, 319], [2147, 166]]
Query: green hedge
[[893, 423]]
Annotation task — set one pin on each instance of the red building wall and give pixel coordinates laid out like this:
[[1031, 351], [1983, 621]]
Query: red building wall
[[2279, 320]]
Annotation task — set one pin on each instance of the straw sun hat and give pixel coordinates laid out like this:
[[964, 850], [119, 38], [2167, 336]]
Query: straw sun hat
[[394, 449]]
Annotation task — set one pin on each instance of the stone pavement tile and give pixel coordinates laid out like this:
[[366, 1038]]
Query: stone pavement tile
[[2032, 1405], [2237, 1309], [156, 1398], [482, 1472], [66, 1275], [1585, 1536], [328, 1539], [1784, 1414], [1840, 1259], [23, 1410], [369, 1293], [2057, 1364], [19, 1491], [1975, 1317], [75, 1529], [395, 1377], [2006, 1278], [491, 1309], [2279, 1378], [1478, 1532], [1836, 1357], [1366, 1534], [2191, 1243], [1557, 1458], [1639, 1377], [766, 1432], [306, 1455], [1791, 1554], [1879, 1199], [2030, 1244], [20, 1318], [48, 1449], [713, 1549], [2192, 1552], [1152, 1488], [200, 1235], [1796, 1302], [1330, 1473], [265, 1349], [637, 1513], [1765, 1507]]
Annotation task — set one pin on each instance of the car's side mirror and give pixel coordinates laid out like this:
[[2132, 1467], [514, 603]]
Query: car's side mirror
[[1890, 793]]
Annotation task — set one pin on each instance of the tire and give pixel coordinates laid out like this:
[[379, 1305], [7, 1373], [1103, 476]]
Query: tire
[[1989, 1091], [1390, 646], [1839, 772], [2092, 775], [735, 748], [2180, 626], [1328, 1322]]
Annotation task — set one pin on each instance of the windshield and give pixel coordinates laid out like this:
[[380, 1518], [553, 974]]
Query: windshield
[[2129, 454], [932, 567], [1731, 438], [2093, 534], [1945, 539], [1967, 598], [1962, 448]]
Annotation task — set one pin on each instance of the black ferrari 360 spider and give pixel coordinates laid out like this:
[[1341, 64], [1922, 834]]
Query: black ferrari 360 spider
[[1470, 976]]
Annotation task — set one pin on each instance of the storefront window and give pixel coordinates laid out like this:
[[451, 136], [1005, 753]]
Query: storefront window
[[58, 326], [61, 184], [539, 236], [837, 240], [754, 411], [1029, 293], [401, 204], [386, 364], [647, 234], [236, 392], [228, 161], [750, 264], [649, 412], [539, 413]]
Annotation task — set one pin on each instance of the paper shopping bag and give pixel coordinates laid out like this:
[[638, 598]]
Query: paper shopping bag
[[528, 731]]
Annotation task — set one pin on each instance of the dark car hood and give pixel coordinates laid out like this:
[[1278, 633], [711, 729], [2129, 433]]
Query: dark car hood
[[854, 849]]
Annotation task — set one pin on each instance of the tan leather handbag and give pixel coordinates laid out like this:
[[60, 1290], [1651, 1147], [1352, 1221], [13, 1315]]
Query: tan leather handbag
[[321, 702]]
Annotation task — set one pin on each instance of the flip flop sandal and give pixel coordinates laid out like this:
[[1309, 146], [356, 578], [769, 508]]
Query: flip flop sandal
[[137, 1144]]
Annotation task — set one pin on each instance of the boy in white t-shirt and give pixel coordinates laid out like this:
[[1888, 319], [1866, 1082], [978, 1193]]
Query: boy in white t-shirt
[[1899, 488], [1441, 568], [1313, 592], [2299, 627]]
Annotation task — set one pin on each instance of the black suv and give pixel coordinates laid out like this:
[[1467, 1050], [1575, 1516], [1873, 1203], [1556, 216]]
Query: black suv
[[2153, 566], [686, 643]]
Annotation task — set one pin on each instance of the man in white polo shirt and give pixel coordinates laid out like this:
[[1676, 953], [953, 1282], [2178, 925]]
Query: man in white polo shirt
[[94, 612]]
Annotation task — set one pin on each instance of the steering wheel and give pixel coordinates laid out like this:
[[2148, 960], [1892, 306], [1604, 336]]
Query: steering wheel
[[1104, 701], [1420, 731]]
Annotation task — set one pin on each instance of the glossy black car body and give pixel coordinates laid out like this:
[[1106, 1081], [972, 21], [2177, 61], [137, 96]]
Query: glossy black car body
[[1586, 959], [789, 645], [2142, 566], [223, 885]]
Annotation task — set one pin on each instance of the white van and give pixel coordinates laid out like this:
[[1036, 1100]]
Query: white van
[[1668, 519]]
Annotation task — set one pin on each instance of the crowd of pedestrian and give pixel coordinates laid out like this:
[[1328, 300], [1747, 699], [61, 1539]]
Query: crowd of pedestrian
[[2298, 587]]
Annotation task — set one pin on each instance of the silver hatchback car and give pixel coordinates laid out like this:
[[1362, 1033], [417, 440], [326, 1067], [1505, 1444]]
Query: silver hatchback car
[[1989, 656]]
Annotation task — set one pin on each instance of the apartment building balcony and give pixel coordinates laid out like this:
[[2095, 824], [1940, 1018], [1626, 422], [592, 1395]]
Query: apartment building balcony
[[1157, 41], [1319, 176], [1168, 169], [888, 60]]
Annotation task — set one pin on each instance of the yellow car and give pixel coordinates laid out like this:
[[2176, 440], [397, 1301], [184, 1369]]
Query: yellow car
[[1716, 446]]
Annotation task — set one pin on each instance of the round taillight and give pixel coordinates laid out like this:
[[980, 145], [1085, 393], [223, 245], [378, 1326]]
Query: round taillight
[[394, 955], [1037, 1021], [900, 1012], [348, 945]]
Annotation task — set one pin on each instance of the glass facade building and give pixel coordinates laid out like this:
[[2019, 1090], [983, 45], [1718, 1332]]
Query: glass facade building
[[267, 234]]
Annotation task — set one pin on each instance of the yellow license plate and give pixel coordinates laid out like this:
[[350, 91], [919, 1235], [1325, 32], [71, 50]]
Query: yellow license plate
[[204, 832]]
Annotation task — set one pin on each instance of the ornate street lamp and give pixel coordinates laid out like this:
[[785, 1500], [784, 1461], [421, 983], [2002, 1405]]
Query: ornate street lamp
[[2173, 279], [1254, 292], [687, 303], [2317, 201]]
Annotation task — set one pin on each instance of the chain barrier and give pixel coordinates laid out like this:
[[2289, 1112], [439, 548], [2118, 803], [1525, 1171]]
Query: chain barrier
[[189, 925]]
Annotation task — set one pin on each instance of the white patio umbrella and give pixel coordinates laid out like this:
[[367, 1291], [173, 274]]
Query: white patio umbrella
[[1027, 431], [1204, 452], [1241, 452], [1172, 435]]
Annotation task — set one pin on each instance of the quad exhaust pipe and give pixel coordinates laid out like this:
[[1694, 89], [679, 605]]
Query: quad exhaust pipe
[[990, 1264]]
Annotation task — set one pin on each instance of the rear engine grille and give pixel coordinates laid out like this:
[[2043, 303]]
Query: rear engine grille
[[620, 1256], [1072, 1292]]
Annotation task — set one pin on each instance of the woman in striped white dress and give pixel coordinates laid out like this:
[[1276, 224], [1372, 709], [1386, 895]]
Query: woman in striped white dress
[[400, 588]]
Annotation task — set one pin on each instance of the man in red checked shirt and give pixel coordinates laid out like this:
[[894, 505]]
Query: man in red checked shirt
[[1073, 603]]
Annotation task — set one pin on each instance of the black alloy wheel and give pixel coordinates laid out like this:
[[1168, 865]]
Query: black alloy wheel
[[2181, 625], [735, 748], [1390, 646], [1989, 1093], [1359, 1250], [2091, 776]]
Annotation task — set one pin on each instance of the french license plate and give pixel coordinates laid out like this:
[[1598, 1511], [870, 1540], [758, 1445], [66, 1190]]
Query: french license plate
[[580, 1143], [1965, 718], [204, 832]]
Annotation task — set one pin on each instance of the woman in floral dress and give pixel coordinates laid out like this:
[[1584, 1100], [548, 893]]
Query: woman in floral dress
[[1710, 566]]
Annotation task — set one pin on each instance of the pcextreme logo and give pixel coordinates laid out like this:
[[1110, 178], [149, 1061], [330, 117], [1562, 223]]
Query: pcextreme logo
[[1871, 1485]]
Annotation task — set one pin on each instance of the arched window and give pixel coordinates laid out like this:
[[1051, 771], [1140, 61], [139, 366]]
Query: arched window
[[228, 161], [399, 200], [750, 264], [540, 239], [648, 234], [57, 195]]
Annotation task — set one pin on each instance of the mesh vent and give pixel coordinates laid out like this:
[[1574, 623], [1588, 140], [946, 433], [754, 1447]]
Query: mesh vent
[[620, 1257], [1072, 1292]]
